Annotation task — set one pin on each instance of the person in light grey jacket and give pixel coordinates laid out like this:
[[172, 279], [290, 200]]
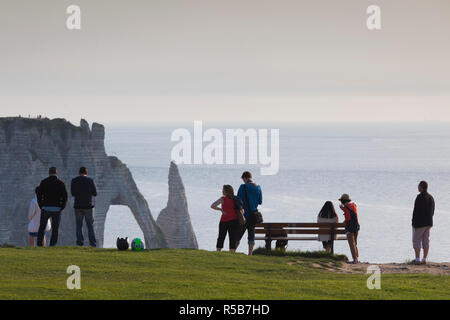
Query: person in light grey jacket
[[327, 215], [34, 218]]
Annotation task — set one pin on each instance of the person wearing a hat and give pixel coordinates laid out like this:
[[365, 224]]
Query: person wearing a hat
[[351, 225]]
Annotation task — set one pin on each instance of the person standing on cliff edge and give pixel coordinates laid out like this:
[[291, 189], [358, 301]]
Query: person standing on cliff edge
[[52, 199], [83, 189]]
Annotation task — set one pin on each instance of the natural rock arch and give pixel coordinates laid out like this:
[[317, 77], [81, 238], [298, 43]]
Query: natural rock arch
[[28, 147]]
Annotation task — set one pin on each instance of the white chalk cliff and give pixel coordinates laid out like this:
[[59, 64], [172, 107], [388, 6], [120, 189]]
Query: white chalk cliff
[[174, 220], [28, 147]]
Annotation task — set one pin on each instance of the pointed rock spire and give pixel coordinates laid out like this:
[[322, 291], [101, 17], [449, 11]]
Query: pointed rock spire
[[174, 220]]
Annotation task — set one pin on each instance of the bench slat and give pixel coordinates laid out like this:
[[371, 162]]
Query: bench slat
[[288, 228], [297, 225], [299, 231], [296, 238]]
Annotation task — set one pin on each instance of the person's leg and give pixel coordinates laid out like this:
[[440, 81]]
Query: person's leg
[[426, 244], [42, 225], [221, 237], [79, 226], [56, 218], [232, 232], [417, 253], [417, 242], [32, 242], [268, 244], [351, 244], [228, 232], [326, 245], [90, 226], [240, 233], [251, 239], [425, 253], [45, 241], [356, 244]]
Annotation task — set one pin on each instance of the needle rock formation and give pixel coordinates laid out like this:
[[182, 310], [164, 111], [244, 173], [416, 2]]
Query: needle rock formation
[[174, 220]]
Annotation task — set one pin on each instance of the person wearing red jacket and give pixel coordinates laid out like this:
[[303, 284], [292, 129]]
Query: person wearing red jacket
[[351, 225], [229, 205]]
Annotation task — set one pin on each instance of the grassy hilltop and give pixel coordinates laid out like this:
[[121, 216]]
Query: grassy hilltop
[[40, 273]]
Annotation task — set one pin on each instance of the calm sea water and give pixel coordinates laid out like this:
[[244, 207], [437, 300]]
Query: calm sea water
[[379, 165]]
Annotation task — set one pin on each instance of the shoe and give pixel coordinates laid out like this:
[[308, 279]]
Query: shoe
[[423, 261]]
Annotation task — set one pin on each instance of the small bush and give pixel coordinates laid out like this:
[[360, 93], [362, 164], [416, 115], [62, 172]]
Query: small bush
[[7, 245], [303, 254]]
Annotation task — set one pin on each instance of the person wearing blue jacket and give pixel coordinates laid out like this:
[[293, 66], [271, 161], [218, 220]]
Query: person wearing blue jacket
[[251, 195]]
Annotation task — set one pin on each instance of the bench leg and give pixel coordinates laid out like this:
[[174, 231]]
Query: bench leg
[[332, 247], [268, 245]]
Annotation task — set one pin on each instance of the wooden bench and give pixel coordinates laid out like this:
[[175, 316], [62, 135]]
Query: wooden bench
[[284, 231]]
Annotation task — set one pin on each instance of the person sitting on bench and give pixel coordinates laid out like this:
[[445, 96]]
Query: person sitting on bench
[[327, 215]]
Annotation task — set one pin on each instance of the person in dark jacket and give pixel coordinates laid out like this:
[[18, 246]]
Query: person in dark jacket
[[422, 221], [52, 199], [83, 189]]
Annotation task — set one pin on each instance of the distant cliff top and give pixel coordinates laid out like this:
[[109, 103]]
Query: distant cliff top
[[39, 122], [10, 124]]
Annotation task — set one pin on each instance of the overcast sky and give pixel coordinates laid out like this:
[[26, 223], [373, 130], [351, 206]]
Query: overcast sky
[[226, 60]]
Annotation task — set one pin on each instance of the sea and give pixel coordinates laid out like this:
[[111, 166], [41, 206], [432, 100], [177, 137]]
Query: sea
[[378, 164]]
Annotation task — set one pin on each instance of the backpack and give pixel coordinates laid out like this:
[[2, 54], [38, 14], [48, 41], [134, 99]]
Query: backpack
[[256, 216], [353, 225], [123, 244]]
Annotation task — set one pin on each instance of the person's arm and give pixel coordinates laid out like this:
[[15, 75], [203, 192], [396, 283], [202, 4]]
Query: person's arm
[[64, 196], [73, 187], [259, 195], [238, 203], [240, 193], [433, 206], [346, 213], [31, 211], [216, 204], [39, 196], [94, 189], [416, 209]]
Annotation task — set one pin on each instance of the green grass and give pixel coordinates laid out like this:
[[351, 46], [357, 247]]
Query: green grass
[[40, 273]]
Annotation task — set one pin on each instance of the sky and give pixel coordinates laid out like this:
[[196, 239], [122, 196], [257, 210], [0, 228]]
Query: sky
[[226, 61]]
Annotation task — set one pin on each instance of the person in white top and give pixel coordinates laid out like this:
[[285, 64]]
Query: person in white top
[[327, 215], [34, 218]]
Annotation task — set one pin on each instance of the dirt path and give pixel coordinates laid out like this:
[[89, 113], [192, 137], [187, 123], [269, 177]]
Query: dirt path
[[430, 268]]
